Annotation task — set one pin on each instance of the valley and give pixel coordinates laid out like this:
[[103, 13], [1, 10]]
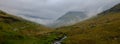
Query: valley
[[101, 29]]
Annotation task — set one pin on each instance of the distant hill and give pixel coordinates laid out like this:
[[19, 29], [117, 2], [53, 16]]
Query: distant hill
[[101, 29], [69, 18]]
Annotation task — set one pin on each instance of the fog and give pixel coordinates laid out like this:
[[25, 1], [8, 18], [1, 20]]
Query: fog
[[45, 11]]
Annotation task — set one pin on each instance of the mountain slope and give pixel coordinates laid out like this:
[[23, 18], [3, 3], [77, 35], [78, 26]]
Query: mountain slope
[[15, 30], [102, 29]]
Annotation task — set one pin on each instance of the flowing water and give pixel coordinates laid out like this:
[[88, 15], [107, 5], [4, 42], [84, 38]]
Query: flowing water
[[59, 41]]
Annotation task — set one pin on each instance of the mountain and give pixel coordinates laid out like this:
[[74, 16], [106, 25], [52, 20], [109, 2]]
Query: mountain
[[114, 9], [15, 30], [101, 29], [69, 18]]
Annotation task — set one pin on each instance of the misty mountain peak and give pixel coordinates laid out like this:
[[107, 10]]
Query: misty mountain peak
[[73, 14], [69, 18]]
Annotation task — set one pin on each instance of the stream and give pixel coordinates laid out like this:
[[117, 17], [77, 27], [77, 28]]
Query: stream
[[59, 41]]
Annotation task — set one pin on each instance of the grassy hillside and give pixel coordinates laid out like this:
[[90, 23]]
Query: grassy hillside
[[102, 29], [15, 30]]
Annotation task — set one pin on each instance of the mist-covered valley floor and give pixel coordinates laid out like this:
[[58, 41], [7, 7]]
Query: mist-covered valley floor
[[70, 28]]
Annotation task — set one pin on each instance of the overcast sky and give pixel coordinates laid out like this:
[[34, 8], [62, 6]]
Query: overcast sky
[[44, 11]]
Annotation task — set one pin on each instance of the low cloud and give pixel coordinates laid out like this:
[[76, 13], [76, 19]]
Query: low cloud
[[44, 11]]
